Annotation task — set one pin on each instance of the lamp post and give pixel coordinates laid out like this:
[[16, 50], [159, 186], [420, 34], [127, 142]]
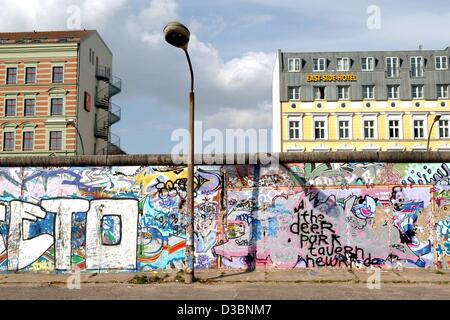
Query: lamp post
[[436, 119], [72, 123], [178, 35]]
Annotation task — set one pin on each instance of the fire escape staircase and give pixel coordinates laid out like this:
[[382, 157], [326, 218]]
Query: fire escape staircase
[[114, 113]]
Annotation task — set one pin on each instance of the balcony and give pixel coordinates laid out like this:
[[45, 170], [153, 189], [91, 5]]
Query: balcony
[[103, 73]]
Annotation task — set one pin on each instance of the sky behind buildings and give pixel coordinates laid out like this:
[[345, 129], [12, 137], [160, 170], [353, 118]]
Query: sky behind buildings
[[233, 50]]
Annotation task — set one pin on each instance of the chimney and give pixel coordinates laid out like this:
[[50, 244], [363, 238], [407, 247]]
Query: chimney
[[420, 47]]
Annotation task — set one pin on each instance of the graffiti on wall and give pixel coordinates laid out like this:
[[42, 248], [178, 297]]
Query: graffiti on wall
[[298, 216], [120, 218]]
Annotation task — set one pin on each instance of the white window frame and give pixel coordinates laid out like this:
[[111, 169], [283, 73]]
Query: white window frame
[[372, 64], [296, 63], [365, 90], [400, 126], [439, 91], [324, 93], [345, 64], [300, 129], [373, 118], [350, 129], [325, 120], [441, 59], [319, 64], [417, 117], [296, 92], [339, 88], [396, 70], [415, 90], [443, 118], [397, 91], [418, 66]]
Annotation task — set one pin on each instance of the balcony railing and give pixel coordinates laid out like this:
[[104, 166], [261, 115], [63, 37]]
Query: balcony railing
[[103, 124]]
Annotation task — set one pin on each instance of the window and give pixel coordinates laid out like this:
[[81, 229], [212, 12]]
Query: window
[[343, 64], [294, 93], [441, 63], [319, 64], [56, 107], [30, 75], [28, 139], [394, 129], [29, 106], [343, 92], [56, 140], [444, 129], [368, 92], [319, 93], [319, 129], [10, 108], [58, 75], [417, 91], [442, 91], [369, 128], [367, 64], [294, 65], [392, 67], [294, 129], [344, 129], [416, 66], [419, 128], [11, 75], [393, 92], [8, 141]]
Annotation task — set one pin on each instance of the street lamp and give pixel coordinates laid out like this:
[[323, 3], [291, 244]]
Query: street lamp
[[436, 119], [178, 35], [72, 123]]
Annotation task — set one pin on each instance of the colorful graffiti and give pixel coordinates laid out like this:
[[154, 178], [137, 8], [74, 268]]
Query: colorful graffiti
[[119, 218], [294, 216]]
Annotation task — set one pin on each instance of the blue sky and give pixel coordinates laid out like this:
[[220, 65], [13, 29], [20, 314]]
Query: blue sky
[[233, 49]]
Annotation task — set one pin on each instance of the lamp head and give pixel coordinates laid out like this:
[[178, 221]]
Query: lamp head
[[437, 118], [177, 35]]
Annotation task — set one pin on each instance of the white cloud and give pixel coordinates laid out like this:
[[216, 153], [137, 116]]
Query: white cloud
[[241, 118], [52, 14]]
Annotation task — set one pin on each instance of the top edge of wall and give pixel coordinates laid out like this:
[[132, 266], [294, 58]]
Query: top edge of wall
[[233, 159]]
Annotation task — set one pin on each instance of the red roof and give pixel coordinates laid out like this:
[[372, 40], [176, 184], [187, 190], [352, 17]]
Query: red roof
[[44, 36]]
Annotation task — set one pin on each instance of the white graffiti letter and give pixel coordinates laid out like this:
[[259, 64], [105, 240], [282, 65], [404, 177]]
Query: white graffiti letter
[[23, 251], [64, 208], [118, 256]]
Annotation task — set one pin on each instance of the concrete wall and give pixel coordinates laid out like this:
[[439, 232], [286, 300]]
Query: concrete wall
[[108, 218]]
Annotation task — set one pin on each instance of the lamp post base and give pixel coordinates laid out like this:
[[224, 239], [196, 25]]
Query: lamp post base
[[189, 278]]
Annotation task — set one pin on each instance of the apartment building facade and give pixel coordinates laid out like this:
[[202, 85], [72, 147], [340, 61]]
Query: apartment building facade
[[361, 101], [56, 92]]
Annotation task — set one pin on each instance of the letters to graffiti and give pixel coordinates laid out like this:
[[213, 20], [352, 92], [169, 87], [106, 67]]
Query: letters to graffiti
[[322, 243]]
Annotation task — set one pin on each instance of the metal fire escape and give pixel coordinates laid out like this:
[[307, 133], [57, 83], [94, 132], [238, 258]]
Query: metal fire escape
[[103, 101]]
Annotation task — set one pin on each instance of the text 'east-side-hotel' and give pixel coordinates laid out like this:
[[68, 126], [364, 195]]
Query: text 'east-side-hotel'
[[361, 101]]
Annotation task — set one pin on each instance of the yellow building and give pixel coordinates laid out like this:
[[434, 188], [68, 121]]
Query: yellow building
[[361, 101]]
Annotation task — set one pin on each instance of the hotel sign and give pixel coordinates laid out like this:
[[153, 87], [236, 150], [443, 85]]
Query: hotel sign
[[330, 77]]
